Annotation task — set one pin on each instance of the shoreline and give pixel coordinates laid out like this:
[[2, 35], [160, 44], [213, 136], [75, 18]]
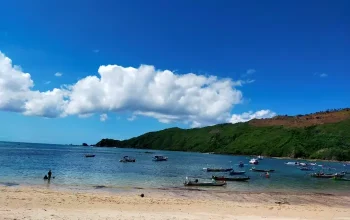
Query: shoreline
[[226, 154], [40, 203]]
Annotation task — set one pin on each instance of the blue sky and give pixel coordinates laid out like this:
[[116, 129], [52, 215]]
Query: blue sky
[[285, 57]]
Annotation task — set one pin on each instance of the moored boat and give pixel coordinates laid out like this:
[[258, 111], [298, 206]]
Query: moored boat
[[89, 155], [261, 170], [260, 157], [127, 159], [327, 175], [195, 182], [218, 169], [254, 161], [241, 164], [160, 158], [222, 178], [292, 163], [237, 172], [306, 169]]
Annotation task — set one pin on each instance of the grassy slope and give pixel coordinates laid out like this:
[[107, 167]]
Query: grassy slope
[[328, 141]]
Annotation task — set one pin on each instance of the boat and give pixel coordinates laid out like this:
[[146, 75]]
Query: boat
[[312, 164], [241, 164], [292, 163], [218, 169], [160, 158], [306, 168], [222, 178], [195, 182], [90, 155], [127, 159], [237, 172], [254, 161], [260, 157], [261, 170], [327, 176]]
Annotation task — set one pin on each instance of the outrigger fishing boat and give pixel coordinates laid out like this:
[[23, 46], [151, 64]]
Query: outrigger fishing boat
[[127, 159], [261, 170], [195, 182], [217, 169], [222, 178], [237, 172]]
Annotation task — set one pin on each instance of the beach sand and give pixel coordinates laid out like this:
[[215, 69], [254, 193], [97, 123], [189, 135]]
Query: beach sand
[[45, 203]]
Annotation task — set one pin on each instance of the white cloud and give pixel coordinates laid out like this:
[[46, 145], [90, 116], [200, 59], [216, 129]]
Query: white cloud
[[250, 71], [132, 118], [160, 94], [144, 91], [15, 85], [58, 74], [103, 117], [247, 116], [85, 115], [47, 82], [322, 75]]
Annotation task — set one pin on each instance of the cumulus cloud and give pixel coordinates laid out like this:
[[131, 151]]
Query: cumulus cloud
[[15, 86], [160, 94], [103, 117], [193, 99], [247, 116], [58, 74]]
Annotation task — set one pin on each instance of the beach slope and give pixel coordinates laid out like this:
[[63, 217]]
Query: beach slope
[[41, 203]]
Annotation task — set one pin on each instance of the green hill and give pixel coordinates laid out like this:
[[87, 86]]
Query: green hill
[[329, 141]]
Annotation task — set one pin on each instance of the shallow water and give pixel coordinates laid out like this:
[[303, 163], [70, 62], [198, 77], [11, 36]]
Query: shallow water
[[26, 164]]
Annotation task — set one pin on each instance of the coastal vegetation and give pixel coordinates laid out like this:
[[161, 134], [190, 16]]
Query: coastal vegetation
[[322, 135]]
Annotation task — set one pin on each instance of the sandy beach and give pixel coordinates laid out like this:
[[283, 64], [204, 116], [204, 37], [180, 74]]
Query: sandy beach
[[41, 203]]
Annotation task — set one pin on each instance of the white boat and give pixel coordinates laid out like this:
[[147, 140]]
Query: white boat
[[254, 161], [260, 157], [292, 163], [160, 158]]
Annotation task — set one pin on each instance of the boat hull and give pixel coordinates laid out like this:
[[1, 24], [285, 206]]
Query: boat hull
[[222, 178], [217, 170], [205, 184], [232, 173], [262, 171]]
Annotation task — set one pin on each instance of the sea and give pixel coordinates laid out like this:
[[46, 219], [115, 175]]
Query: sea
[[25, 164]]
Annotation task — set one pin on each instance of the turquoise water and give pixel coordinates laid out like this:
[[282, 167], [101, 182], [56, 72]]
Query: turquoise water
[[26, 164]]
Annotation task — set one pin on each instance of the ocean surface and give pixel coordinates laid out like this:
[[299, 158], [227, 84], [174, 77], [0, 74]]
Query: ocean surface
[[27, 163]]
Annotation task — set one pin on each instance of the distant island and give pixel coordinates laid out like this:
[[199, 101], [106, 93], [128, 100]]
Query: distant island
[[321, 135]]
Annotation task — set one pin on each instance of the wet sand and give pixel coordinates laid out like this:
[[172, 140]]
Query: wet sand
[[21, 202]]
